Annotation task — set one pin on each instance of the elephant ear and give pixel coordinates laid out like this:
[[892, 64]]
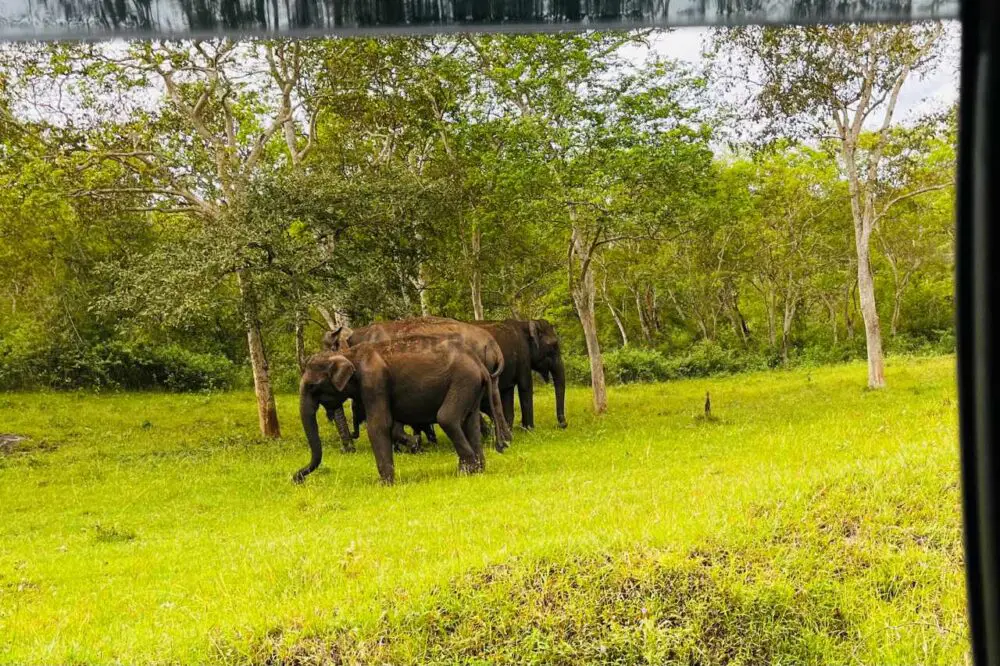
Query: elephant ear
[[533, 332], [341, 371]]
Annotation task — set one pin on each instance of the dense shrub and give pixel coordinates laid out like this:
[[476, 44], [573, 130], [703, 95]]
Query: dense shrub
[[706, 358], [126, 365], [631, 364]]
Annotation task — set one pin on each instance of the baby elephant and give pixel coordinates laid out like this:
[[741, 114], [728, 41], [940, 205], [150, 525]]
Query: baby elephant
[[401, 441], [413, 380]]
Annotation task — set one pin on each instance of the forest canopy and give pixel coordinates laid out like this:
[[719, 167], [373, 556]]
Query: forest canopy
[[191, 214]]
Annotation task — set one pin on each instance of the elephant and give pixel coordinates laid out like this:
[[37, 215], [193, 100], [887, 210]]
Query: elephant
[[400, 438], [420, 379], [477, 340], [528, 345]]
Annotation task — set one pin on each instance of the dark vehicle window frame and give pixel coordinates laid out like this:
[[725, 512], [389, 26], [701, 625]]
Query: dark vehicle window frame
[[977, 301], [977, 294]]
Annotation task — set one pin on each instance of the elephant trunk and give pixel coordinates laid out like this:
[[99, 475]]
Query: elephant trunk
[[307, 411], [559, 380]]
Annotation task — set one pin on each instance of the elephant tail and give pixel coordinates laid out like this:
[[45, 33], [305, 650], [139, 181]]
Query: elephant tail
[[501, 433]]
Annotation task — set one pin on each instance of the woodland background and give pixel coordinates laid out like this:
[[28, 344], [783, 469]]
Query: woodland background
[[190, 215]]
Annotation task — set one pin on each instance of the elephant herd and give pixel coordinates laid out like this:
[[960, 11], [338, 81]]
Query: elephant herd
[[424, 371]]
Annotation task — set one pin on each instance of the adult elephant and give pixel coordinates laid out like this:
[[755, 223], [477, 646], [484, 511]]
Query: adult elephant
[[528, 345], [420, 379], [477, 340]]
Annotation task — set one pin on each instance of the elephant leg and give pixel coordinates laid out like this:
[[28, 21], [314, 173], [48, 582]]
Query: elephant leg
[[380, 431], [452, 419], [340, 419], [471, 430], [507, 400], [431, 435], [525, 395], [415, 442], [358, 412]]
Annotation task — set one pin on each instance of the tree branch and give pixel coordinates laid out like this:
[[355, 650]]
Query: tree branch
[[907, 195]]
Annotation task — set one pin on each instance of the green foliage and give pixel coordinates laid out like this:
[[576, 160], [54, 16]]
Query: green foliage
[[61, 364], [626, 365], [438, 176]]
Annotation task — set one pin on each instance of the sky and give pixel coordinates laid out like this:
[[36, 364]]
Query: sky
[[918, 97]]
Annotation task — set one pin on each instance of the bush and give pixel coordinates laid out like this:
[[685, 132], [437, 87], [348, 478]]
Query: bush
[[707, 358], [632, 364], [577, 369], [114, 364]]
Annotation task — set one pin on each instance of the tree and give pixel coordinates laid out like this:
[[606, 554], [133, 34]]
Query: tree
[[226, 112], [794, 193], [605, 138], [846, 78]]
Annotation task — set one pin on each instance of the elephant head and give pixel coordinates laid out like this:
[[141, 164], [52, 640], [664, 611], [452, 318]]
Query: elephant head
[[546, 359], [325, 381], [338, 339]]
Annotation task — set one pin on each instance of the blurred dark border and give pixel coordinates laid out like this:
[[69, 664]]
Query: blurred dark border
[[102, 19], [977, 300]]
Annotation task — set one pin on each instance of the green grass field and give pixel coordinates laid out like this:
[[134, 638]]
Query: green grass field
[[811, 521]]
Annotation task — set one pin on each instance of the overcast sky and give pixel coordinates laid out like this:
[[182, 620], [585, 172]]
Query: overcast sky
[[918, 97]]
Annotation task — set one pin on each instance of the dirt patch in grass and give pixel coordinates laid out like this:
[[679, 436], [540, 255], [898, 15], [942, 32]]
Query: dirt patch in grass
[[112, 534], [8, 441]]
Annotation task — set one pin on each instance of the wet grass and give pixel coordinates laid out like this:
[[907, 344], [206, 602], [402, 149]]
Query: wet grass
[[808, 521]]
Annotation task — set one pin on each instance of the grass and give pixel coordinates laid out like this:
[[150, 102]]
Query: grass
[[809, 521]]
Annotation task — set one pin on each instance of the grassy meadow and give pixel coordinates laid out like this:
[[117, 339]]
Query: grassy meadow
[[810, 521]]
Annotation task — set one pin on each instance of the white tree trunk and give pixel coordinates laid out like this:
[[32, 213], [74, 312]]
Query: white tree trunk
[[420, 284], [647, 336], [584, 294], [863, 212], [786, 327], [869, 312], [476, 277], [618, 322], [267, 412], [614, 313]]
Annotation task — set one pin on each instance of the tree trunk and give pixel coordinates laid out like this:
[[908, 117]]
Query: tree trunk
[[618, 322], [832, 309], [772, 315], [300, 340], [334, 320], [420, 284], [267, 412], [866, 294], [476, 288], [848, 307], [896, 307], [652, 316], [786, 329], [863, 213], [897, 300], [646, 335], [736, 315], [614, 313], [476, 279], [585, 310], [584, 294]]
